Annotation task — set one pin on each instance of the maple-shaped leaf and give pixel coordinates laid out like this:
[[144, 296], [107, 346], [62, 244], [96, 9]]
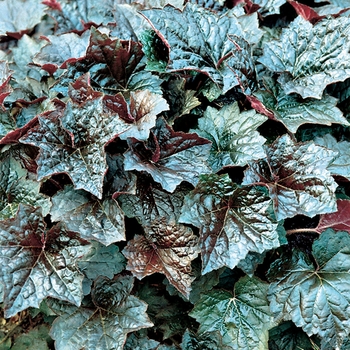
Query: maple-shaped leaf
[[306, 68], [18, 16], [341, 163], [62, 49], [292, 111], [297, 178], [100, 220], [140, 342], [243, 316], [204, 341], [38, 263], [5, 87], [105, 324], [16, 188], [169, 156], [315, 296], [208, 47], [167, 248], [235, 140], [73, 141], [121, 56], [232, 220]]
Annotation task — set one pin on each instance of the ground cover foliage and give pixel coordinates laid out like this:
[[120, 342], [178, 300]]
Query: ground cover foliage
[[174, 175]]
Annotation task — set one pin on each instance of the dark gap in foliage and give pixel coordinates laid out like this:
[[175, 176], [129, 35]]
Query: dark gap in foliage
[[132, 228], [229, 277], [117, 146], [271, 130], [236, 173], [55, 183]]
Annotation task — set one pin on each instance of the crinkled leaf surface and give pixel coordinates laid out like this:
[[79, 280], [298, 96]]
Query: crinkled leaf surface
[[137, 342], [19, 15], [62, 49], [198, 40], [105, 325], [74, 142], [101, 220], [235, 140], [341, 163], [169, 156], [16, 188], [269, 7], [232, 221], [102, 261], [5, 87], [315, 298], [310, 57], [293, 111], [297, 178], [205, 341], [167, 248], [38, 263], [244, 315]]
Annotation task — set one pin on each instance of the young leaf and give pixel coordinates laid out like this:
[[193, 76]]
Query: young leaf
[[310, 57], [233, 135], [297, 178], [315, 298], [169, 156], [37, 263], [17, 16], [293, 111], [100, 220], [16, 188], [232, 221], [339, 221], [105, 325], [167, 248], [208, 47], [341, 163], [243, 316]]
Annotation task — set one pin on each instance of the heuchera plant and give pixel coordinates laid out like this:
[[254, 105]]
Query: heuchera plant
[[175, 175]]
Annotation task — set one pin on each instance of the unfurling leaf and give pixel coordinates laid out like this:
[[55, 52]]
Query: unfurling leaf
[[297, 178], [315, 298], [38, 263], [167, 248], [310, 57], [232, 220], [104, 325], [169, 156], [243, 316], [100, 220], [235, 140]]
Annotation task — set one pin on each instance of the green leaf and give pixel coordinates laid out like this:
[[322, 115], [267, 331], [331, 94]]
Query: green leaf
[[243, 316], [232, 220], [235, 140], [16, 188], [166, 247], [100, 220], [104, 325], [269, 7], [205, 341], [135, 342], [297, 178], [38, 263], [293, 111], [315, 298], [35, 339], [17, 16], [310, 57], [341, 163], [208, 47]]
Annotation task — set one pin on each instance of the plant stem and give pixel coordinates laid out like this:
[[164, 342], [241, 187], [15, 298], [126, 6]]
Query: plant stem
[[300, 230]]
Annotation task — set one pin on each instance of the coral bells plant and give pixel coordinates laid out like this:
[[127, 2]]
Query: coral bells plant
[[174, 175]]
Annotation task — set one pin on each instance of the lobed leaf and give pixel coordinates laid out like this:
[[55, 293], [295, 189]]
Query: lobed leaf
[[243, 316], [235, 140], [297, 178], [232, 220], [38, 263]]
